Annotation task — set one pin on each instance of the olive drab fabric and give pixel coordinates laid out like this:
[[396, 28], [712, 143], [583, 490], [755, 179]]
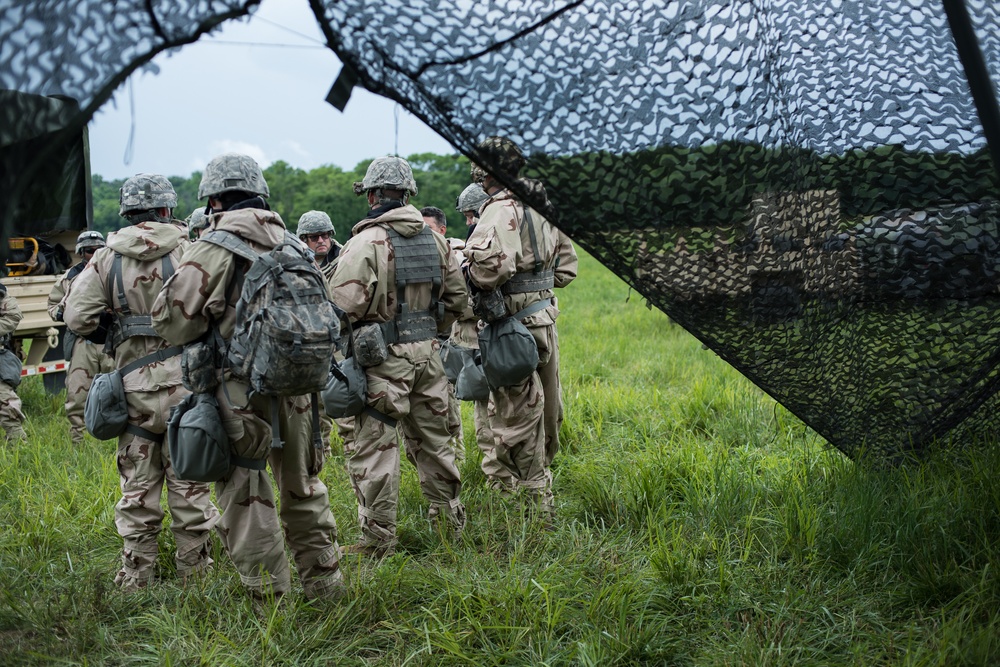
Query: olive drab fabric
[[524, 418], [151, 378], [409, 387], [255, 525]]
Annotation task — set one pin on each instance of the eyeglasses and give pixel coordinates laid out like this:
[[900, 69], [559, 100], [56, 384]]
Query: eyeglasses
[[89, 251], [314, 238]]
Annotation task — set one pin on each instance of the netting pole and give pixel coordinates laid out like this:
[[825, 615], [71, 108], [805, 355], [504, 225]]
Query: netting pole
[[983, 93]]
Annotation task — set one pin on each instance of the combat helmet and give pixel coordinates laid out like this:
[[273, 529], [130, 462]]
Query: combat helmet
[[197, 221], [501, 153], [471, 198], [314, 222], [89, 239], [389, 172], [232, 172], [145, 192]]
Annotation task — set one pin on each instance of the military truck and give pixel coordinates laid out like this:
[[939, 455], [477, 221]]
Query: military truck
[[41, 223]]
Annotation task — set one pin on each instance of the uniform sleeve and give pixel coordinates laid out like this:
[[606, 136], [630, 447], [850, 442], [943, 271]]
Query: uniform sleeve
[[88, 299], [494, 249], [56, 297], [195, 296], [454, 294], [567, 262], [355, 280], [10, 315]]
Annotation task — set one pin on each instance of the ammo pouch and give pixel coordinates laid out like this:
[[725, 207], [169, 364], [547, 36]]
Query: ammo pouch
[[197, 440], [106, 413], [10, 368], [489, 306], [508, 350], [368, 342], [471, 384], [346, 394]]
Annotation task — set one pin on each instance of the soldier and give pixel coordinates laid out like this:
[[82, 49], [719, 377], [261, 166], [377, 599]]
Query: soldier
[[468, 204], [11, 416], [524, 259], [197, 223], [86, 359], [407, 385], [465, 333], [200, 299], [123, 278], [435, 219], [315, 229]]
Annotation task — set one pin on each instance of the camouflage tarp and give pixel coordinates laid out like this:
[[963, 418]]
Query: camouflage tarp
[[804, 185]]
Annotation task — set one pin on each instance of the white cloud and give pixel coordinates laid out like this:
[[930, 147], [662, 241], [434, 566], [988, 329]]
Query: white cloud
[[297, 149], [221, 146]]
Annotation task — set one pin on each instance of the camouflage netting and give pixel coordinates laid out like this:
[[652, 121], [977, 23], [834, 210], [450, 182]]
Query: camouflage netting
[[804, 185]]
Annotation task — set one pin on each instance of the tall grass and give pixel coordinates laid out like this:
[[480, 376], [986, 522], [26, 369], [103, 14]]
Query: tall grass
[[699, 523]]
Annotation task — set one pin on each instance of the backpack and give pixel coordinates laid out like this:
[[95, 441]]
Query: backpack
[[286, 326]]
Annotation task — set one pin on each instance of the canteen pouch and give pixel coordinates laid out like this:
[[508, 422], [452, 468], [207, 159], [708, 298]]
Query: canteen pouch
[[471, 384], [369, 345], [509, 352], [10, 368], [346, 394], [105, 413], [197, 440]]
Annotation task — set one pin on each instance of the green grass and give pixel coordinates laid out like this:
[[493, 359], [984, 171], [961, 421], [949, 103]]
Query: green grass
[[699, 524]]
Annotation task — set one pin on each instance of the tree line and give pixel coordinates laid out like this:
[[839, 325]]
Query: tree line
[[440, 179]]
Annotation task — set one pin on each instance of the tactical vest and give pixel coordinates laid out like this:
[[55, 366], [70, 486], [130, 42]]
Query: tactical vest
[[417, 262], [540, 278], [126, 324]]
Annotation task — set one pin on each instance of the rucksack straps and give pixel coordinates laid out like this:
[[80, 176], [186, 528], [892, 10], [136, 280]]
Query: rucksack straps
[[127, 325]]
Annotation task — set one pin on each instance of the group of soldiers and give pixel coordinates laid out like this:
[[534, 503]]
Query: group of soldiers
[[156, 287]]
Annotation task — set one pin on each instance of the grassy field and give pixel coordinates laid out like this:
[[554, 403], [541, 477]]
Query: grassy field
[[699, 524]]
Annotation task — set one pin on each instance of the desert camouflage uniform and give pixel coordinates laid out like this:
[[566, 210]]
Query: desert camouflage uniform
[[410, 386], [11, 416], [85, 362], [465, 333], [199, 293], [151, 392], [345, 426], [454, 405], [525, 418]]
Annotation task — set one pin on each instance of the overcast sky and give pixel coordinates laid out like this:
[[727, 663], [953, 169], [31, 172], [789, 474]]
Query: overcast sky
[[277, 109]]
